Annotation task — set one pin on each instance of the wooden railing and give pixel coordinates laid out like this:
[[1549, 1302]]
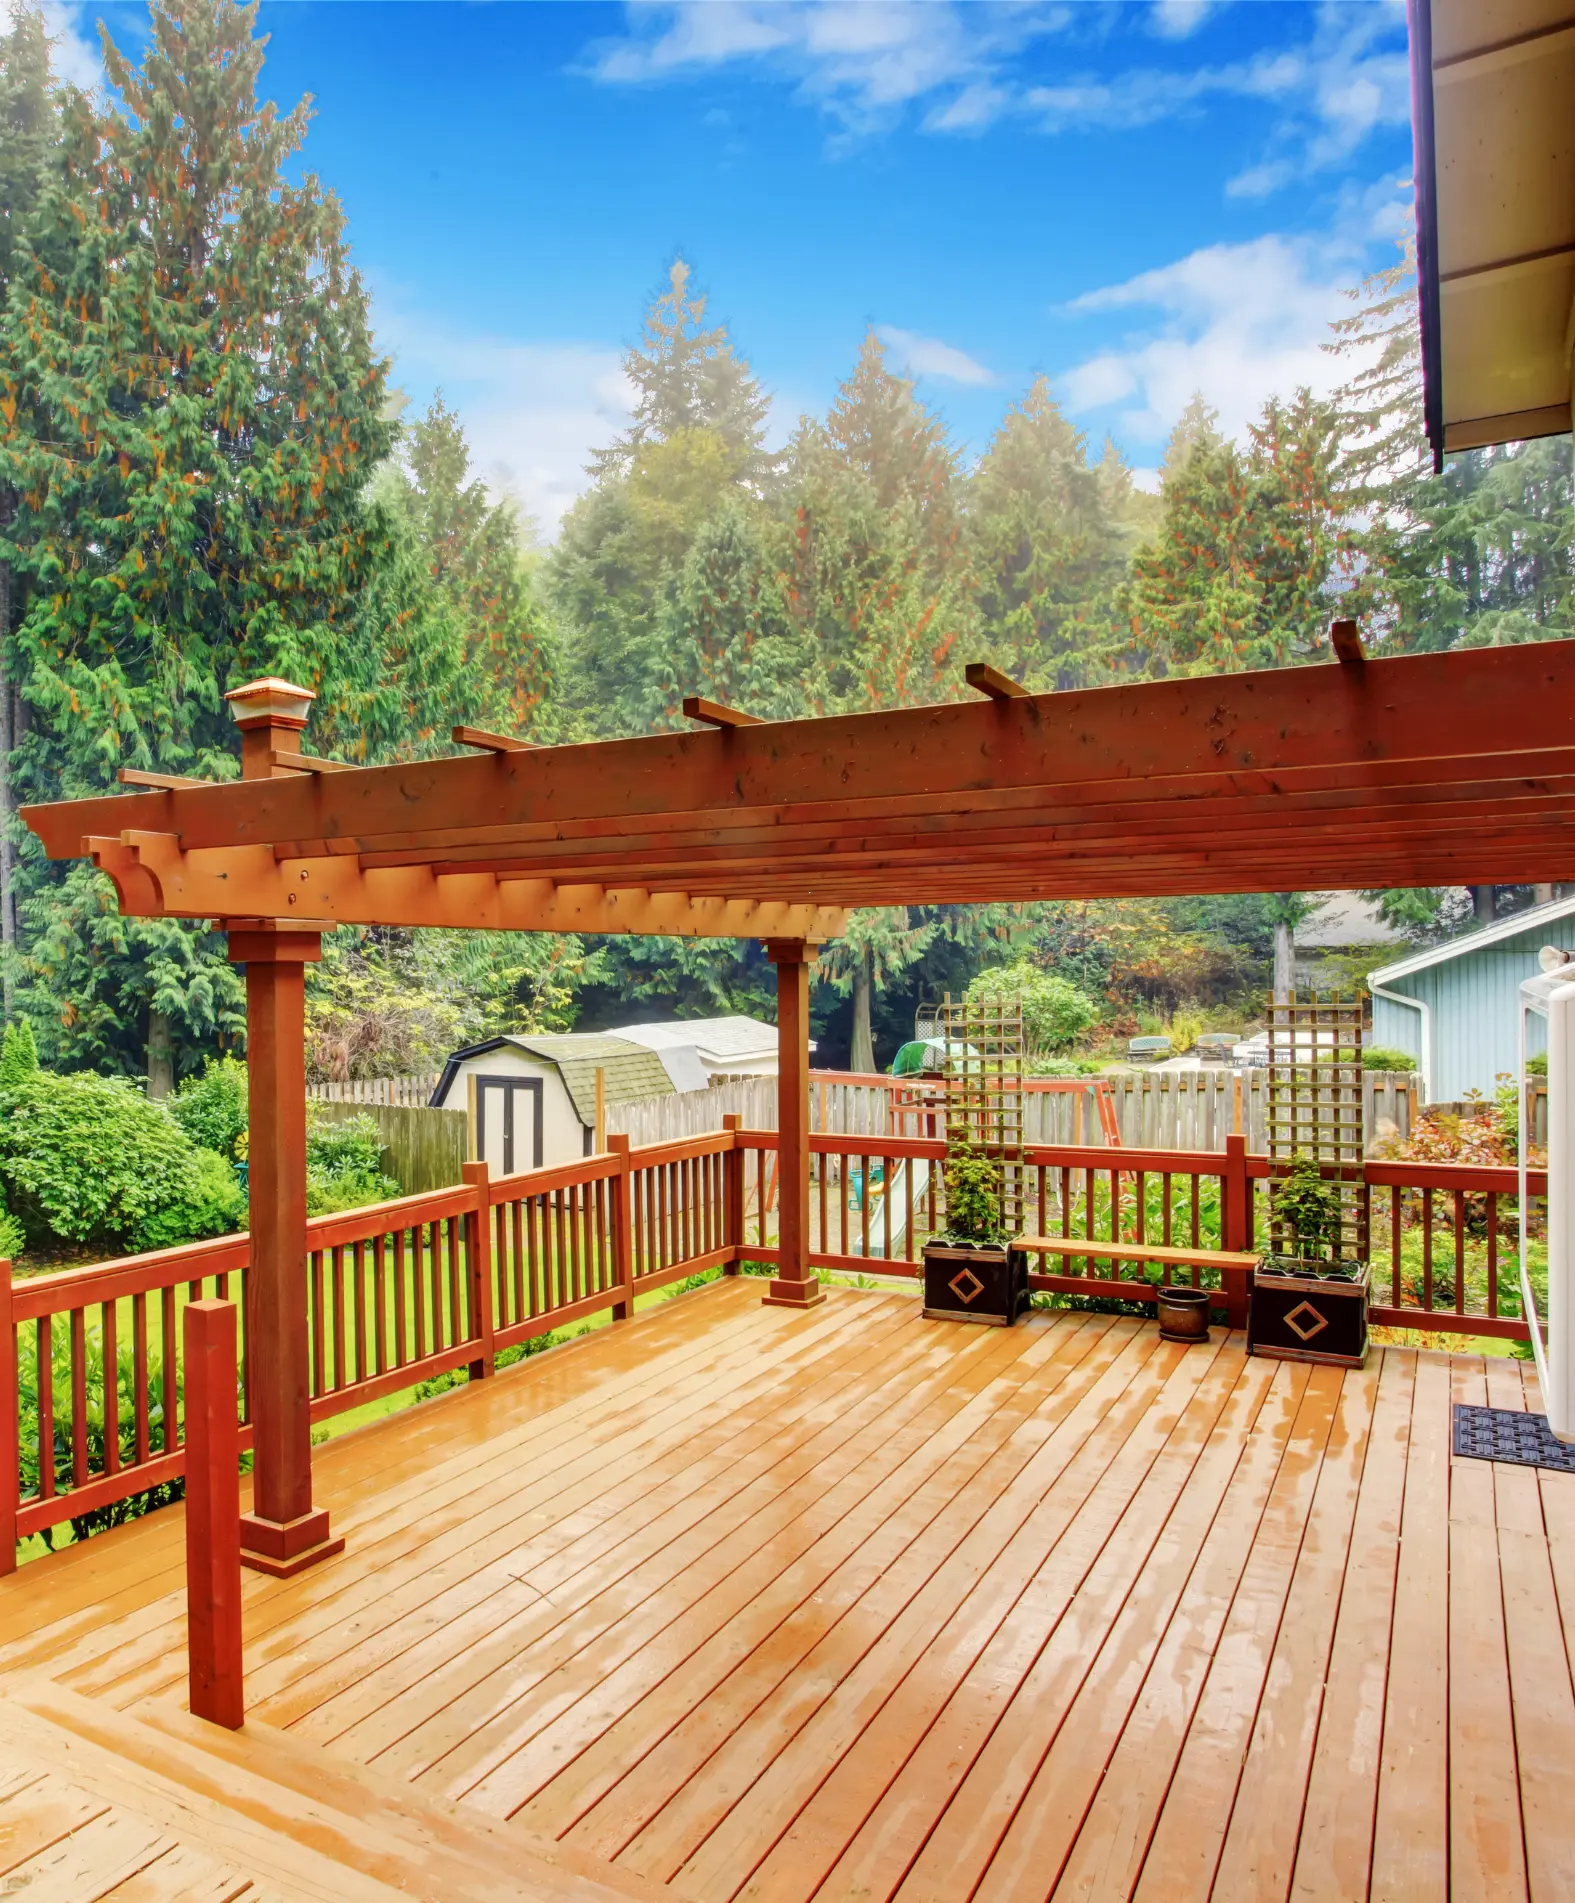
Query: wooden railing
[[1443, 1249], [402, 1292]]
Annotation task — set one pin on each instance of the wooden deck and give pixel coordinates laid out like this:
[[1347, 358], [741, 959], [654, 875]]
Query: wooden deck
[[738, 1602]]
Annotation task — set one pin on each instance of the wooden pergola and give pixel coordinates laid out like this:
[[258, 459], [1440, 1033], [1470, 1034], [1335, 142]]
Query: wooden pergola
[[1432, 770]]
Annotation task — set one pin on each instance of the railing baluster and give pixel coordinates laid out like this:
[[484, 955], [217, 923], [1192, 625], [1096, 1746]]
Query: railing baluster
[[1492, 1252], [44, 1368], [111, 1366], [336, 1281], [1427, 1250], [139, 1377]]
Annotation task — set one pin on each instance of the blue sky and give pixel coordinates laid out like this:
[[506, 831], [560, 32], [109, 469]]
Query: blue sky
[[1137, 199]]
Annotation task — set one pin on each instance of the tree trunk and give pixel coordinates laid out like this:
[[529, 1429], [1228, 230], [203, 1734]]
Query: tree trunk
[[161, 1055], [1482, 897], [1284, 962], [862, 1055]]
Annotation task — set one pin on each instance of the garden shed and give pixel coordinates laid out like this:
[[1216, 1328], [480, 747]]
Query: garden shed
[[1455, 1007], [536, 1096]]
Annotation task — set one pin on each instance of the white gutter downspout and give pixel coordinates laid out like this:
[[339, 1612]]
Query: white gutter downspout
[[1413, 1004]]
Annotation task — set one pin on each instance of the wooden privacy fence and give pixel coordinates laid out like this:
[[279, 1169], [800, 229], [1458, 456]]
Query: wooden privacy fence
[[422, 1149], [91, 1375], [1156, 1109], [411, 1092]]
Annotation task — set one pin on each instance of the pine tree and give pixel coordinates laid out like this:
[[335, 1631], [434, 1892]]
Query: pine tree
[[1047, 545], [193, 407], [880, 943], [876, 569], [477, 552], [1197, 428], [725, 630], [29, 136], [687, 376]]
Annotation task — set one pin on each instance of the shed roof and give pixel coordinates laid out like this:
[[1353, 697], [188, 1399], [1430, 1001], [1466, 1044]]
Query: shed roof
[[737, 1036], [1471, 942], [629, 1071]]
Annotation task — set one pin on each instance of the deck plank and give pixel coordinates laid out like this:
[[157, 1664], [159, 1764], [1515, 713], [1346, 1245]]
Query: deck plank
[[1411, 1828], [1261, 1845], [1335, 1847], [1487, 1856]]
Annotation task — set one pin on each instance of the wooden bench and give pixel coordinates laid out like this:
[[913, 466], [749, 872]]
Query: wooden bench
[[1235, 1269]]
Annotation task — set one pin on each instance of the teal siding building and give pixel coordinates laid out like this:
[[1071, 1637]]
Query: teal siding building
[[1455, 1007]]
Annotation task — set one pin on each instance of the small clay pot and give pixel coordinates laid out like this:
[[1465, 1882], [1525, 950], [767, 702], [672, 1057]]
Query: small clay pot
[[1183, 1313]]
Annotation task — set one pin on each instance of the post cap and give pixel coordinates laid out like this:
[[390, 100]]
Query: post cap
[[272, 701]]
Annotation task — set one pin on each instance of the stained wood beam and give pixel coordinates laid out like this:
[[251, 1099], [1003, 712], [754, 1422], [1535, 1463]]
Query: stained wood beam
[[714, 714], [1346, 639], [310, 763], [990, 680], [156, 878], [490, 742], [135, 776]]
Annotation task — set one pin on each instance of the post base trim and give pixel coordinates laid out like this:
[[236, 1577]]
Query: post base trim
[[297, 1563], [782, 1294], [282, 1539]]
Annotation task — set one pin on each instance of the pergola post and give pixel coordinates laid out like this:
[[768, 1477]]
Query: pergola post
[[795, 1284], [284, 1533]]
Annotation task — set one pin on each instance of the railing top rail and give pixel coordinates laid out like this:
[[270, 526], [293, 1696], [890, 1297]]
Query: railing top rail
[[523, 1184], [61, 1290]]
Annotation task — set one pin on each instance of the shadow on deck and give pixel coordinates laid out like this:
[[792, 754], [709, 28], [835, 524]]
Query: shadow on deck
[[737, 1602]]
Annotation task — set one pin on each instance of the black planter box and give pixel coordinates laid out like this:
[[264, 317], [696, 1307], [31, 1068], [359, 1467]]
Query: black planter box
[[1301, 1312], [983, 1282]]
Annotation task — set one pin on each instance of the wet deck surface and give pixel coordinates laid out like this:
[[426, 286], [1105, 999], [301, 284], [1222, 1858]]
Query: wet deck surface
[[750, 1603]]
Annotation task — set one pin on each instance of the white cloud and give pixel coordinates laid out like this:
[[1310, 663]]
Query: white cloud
[[865, 61], [861, 60], [532, 412], [929, 357], [1239, 322], [1175, 19], [74, 52]]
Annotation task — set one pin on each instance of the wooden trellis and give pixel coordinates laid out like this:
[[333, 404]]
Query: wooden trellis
[[983, 1048], [1315, 1110]]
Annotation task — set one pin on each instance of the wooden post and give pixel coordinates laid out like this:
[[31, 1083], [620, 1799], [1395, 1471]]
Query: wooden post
[[733, 1193], [622, 1227], [10, 1450], [473, 1130], [601, 1111], [213, 1516], [1235, 1124], [1236, 1221], [478, 1268], [795, 1285], [283, 1533]]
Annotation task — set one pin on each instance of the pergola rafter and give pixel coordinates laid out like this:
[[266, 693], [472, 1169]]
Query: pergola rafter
[[1438, 769]]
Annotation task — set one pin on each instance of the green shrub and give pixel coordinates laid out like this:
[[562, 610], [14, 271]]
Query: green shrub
[[1310, 1206], [212, 1108], [12, 1238], [18, 1054], [1382, 1057], [88, 1159], [1055, 1012], [973, 1197], [344, 1165]]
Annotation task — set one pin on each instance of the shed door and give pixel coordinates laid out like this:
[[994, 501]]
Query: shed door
[[508, 1112]]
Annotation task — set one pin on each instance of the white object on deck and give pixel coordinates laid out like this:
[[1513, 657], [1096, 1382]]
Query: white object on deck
[[1551, 997]]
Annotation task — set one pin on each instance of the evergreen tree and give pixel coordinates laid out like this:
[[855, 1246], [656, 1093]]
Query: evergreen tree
[[18, 1055], [478, 565], [695, 446], [1047, 543], [876, 570], [880, 943], [192, 407], [29, 136], [1197, 428], [725, 630], [687, 376], [1249, 545]]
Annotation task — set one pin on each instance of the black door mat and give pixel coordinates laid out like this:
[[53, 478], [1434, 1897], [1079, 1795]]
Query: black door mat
[[1499, 1433]]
